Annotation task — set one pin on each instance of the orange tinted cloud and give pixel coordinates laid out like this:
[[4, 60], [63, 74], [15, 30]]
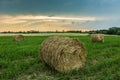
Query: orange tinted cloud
[[40, 23]]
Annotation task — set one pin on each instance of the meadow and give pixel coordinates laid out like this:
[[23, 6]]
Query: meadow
[[21, 60]]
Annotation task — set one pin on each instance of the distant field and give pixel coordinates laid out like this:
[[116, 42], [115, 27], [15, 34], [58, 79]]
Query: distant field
[[21, 60], [48, 34]]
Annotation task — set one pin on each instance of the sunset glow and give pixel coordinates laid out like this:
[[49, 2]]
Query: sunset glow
[[40, 23]]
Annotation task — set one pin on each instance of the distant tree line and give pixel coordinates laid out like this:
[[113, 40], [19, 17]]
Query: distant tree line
[[33, 31], [112, 31]]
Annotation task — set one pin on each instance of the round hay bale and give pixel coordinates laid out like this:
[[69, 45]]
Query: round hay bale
[[97, 37], [18, 38], [63, 53]]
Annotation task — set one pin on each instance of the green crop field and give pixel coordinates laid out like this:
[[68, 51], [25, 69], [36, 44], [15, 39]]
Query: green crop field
[[21, 60]]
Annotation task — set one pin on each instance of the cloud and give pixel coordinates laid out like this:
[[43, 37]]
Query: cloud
[[24, 18], [41, 23], [10, 20], [54, 18], [6, 2]]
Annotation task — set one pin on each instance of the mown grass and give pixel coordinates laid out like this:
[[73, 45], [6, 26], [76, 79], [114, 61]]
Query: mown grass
[[21, 60]]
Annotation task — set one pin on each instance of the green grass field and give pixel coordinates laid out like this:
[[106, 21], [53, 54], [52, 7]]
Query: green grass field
[[21, 60]]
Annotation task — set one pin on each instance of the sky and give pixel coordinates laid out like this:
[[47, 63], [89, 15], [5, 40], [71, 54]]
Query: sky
[[20, 15]]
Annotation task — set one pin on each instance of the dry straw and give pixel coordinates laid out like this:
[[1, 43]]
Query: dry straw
[[97, 37], [18, 38], [63, 53]]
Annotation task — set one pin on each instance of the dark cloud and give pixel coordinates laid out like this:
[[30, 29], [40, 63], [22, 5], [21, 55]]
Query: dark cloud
[[68, 7]]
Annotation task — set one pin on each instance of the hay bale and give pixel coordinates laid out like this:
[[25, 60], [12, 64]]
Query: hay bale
[[97, 37], [63, 53], [18, 38]]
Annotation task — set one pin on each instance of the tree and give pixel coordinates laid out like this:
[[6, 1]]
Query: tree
[[114, 30]]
